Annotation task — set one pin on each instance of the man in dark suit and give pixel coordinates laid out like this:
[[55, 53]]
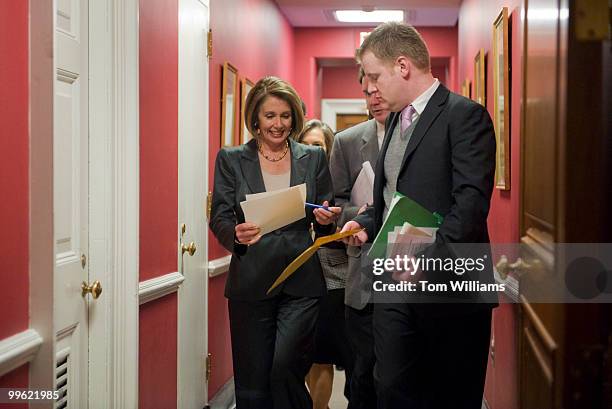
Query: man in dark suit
[[439, 150], [352, 147]]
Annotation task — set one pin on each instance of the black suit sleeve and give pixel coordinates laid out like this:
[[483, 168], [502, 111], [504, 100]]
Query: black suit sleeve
[[472, 140], [223, 219]]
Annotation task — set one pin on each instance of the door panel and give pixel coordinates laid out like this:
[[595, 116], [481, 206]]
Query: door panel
[[193, 187], [70, 179]]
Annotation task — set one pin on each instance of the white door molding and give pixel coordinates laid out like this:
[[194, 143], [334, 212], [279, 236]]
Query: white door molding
[[41, 249], [115, 201], [332, 107]]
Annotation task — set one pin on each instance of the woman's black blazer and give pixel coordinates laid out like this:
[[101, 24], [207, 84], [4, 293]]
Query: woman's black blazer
[[254, 268]]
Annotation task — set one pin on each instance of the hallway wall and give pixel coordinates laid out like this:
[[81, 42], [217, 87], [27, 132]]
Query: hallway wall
[[14, 178], [158, 72], [475, 28], [316, 43], [255, 37]]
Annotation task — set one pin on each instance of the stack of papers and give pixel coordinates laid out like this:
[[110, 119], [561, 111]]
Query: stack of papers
[[363, 188], [404, 210], [275, 209], [408, 240]]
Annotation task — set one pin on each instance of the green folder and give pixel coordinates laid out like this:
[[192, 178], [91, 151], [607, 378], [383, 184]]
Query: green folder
[[402, 209]]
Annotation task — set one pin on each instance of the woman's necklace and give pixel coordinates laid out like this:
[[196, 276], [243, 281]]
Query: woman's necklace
[[271, 159]]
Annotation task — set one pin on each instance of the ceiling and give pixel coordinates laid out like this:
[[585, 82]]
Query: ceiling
[[420, 13]]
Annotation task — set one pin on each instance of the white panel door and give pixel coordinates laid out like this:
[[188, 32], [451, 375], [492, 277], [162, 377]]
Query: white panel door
[[193, 182], [70, 193]]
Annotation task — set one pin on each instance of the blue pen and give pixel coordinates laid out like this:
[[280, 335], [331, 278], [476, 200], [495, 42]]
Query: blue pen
[[316, 206]]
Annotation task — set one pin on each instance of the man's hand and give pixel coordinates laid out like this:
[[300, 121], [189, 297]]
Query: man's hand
[[410, 274], [356, 239], [325, 217]]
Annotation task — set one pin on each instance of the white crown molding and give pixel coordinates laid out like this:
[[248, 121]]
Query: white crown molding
[[219, 266], [158, 287], [18, 350]]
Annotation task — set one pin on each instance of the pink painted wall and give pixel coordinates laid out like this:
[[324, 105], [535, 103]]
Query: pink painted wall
[[17, 378], [315, 43], [256, 38], [158, 137], [14, 178], [158, 61], [475, 31], [157, 372], [340, 82]]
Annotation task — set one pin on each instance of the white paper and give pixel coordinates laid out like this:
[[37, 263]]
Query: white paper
[[363, 188], [409, 240], [275, 209]]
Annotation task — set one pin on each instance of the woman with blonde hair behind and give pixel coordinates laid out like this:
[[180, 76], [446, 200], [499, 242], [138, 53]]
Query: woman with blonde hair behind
[[331, 343]]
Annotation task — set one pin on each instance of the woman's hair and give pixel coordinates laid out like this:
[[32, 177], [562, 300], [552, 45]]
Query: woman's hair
[[328, 134], [273, 86]]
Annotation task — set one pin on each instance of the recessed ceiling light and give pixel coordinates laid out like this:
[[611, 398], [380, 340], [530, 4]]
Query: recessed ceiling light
[[376, 16]]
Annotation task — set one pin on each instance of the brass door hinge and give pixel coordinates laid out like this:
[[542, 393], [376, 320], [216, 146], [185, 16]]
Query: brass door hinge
[[208, 205], [208, 366], [209, 50]]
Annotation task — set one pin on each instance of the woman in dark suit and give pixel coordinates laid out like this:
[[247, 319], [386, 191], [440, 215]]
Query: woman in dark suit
[[271, 334]]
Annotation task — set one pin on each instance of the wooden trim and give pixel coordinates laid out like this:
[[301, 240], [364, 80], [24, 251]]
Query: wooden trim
[[331, 107], [541, 330], [158, 287], [18, 350], [219, 266]]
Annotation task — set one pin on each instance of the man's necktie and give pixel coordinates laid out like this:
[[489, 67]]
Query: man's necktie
[[407, 114]]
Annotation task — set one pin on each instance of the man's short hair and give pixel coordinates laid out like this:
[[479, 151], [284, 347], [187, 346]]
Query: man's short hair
[[390, 40]]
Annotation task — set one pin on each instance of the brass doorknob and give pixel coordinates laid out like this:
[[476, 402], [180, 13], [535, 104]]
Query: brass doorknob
[[502, 266], [191, 248], [95, 289], [520, 264]]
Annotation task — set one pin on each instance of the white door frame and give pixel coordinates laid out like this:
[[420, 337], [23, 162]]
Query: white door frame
[[330, 107], [114, 34], [114, 193], [193, 135]]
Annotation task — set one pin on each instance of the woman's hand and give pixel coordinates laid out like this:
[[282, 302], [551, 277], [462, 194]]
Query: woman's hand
[[247, 233], [325, 217], [356, 239]]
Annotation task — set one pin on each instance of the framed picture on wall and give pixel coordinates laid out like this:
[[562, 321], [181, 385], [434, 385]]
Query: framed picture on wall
[[501, 100], [466, 88], [229, 91], [479, 77], [247, 85]]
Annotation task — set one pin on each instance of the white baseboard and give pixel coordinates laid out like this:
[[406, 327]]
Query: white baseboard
[[219, 266], [157, 287], [18, 350], [225, 398]]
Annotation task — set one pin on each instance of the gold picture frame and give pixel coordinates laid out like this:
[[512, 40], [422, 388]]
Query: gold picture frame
[[479, 77], [465, 88], [501, 100], [246, 87], [228, 104]]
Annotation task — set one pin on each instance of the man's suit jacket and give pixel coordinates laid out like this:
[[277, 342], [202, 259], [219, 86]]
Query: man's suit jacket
[[448, 167], [254, 268], [352, 147]]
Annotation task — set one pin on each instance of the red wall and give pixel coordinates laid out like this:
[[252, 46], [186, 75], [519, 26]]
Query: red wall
[[314, 43], [158, 197], [257, 39], [475, 31], [157, 373], [14, 177], [340, 82]]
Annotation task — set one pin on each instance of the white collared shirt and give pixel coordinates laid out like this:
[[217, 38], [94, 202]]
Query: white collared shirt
[[380, 133], [421, 101]]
